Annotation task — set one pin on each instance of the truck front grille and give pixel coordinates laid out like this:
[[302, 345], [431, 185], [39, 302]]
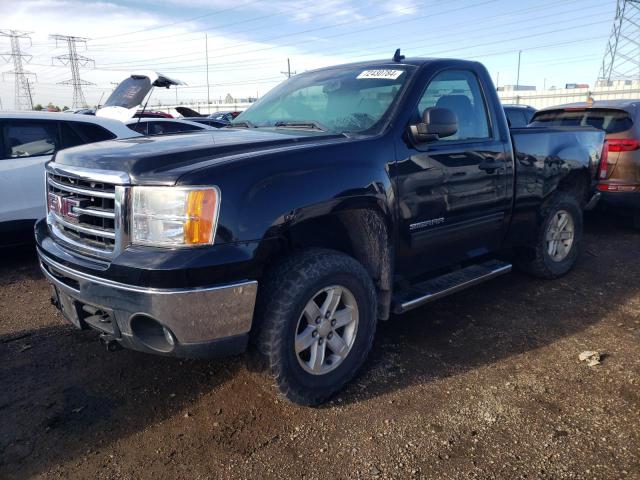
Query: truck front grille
[[83, 213]]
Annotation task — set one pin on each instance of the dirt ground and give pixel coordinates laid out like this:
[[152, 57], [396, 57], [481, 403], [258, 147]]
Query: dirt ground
[[484, 384]]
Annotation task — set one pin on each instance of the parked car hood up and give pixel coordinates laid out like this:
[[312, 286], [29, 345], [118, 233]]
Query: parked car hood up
[[163, 159]]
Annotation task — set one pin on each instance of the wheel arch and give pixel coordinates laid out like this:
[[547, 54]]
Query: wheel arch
[[577, 183], [361, 231]]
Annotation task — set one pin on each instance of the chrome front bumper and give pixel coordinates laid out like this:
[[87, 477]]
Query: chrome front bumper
[[196, 318]]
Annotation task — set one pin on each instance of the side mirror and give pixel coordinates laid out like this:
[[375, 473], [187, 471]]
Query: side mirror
[[436, 123]]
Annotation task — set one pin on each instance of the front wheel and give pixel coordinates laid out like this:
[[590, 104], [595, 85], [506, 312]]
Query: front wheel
[[317, 314], [559, 239]]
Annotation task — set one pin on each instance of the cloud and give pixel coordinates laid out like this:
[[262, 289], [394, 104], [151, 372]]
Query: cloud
[[400, 8], [242, 67]]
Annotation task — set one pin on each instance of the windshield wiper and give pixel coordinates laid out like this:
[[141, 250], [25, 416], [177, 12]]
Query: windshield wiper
[[304, 124], [242, 124]]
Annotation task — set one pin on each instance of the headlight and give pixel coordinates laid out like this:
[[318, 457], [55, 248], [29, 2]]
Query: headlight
[[174, 216]]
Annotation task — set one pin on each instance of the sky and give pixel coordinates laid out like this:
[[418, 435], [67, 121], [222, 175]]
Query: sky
[[249, 41]]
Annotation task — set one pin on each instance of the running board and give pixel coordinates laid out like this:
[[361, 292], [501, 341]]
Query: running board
[[425, 292]]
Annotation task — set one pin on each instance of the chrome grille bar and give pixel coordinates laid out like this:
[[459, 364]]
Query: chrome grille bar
[[82, 191], [95, 212], [96, 232]]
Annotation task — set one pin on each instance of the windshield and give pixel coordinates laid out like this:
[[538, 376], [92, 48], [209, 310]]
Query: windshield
[[339, 100], [609, 120]]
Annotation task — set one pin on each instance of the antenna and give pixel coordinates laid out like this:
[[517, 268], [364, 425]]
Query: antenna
[[621, 61], [397, 57], [23, 92], [75, 61]]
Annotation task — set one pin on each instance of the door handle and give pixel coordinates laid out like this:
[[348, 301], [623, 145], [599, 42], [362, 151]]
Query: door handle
[[490, 165]]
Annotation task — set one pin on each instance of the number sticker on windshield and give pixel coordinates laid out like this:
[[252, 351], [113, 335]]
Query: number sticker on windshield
[[381, 74]]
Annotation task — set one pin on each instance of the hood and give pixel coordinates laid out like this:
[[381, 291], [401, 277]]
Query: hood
[[161, 160], [129, 95]]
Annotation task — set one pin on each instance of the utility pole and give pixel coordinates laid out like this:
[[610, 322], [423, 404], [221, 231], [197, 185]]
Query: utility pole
[[23, 93], [518, 77], [75, 61], [206, 49], [288, 73]]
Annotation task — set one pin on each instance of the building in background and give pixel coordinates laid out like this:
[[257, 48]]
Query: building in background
[[604, 90]]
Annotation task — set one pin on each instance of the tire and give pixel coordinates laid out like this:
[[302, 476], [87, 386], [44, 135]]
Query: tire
[[283, 313], [540, 262], [636, 219]]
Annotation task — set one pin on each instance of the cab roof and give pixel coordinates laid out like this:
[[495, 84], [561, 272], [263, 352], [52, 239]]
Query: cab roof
[[389, 62]]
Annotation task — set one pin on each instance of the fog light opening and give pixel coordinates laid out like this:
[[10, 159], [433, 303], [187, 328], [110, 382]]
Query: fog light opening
[[152, 333]]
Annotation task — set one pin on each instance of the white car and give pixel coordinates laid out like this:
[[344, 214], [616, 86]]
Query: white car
[[27, 142], [164, 126]]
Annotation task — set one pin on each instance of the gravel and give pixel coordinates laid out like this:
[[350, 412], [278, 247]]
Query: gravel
[[483, 384]]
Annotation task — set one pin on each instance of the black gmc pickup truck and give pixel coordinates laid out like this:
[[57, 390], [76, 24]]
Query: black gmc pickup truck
[[344, 195]]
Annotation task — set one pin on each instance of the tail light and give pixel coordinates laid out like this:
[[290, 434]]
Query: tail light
[[603, 172], [623, 144]]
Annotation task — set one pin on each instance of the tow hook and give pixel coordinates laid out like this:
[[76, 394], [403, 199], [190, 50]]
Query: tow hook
[[110, 342]]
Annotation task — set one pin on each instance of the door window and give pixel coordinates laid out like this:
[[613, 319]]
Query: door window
[[69, 136], [517, 118], [458, 91], [93, 133], [30, 139]]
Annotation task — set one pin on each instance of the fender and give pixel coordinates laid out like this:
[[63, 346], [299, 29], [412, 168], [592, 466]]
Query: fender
[[263, 196]]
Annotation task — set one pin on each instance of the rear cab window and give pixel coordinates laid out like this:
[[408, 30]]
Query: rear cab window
[[610, 120]]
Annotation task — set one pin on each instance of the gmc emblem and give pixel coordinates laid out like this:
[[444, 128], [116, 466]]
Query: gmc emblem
[[63, 206]]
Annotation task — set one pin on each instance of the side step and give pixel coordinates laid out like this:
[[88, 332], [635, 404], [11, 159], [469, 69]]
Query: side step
[[425, 292]]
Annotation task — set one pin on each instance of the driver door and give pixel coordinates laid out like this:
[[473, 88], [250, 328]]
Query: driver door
[[453, 191]]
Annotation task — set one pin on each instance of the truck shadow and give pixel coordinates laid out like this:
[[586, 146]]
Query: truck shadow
[[506, 316], [64, 397]]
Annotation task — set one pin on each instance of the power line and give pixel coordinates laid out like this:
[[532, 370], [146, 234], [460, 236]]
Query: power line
[[23, 92], [198, 17], [420, 43], [315, 29], [226, 25], [75, 61]]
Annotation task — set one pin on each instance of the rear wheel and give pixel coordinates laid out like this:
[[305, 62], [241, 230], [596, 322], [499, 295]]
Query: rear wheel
[[317, 314], [559, 239]]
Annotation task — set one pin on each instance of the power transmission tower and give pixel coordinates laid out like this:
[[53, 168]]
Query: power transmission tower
[[622, 56], [23, 92], [75, 61]]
